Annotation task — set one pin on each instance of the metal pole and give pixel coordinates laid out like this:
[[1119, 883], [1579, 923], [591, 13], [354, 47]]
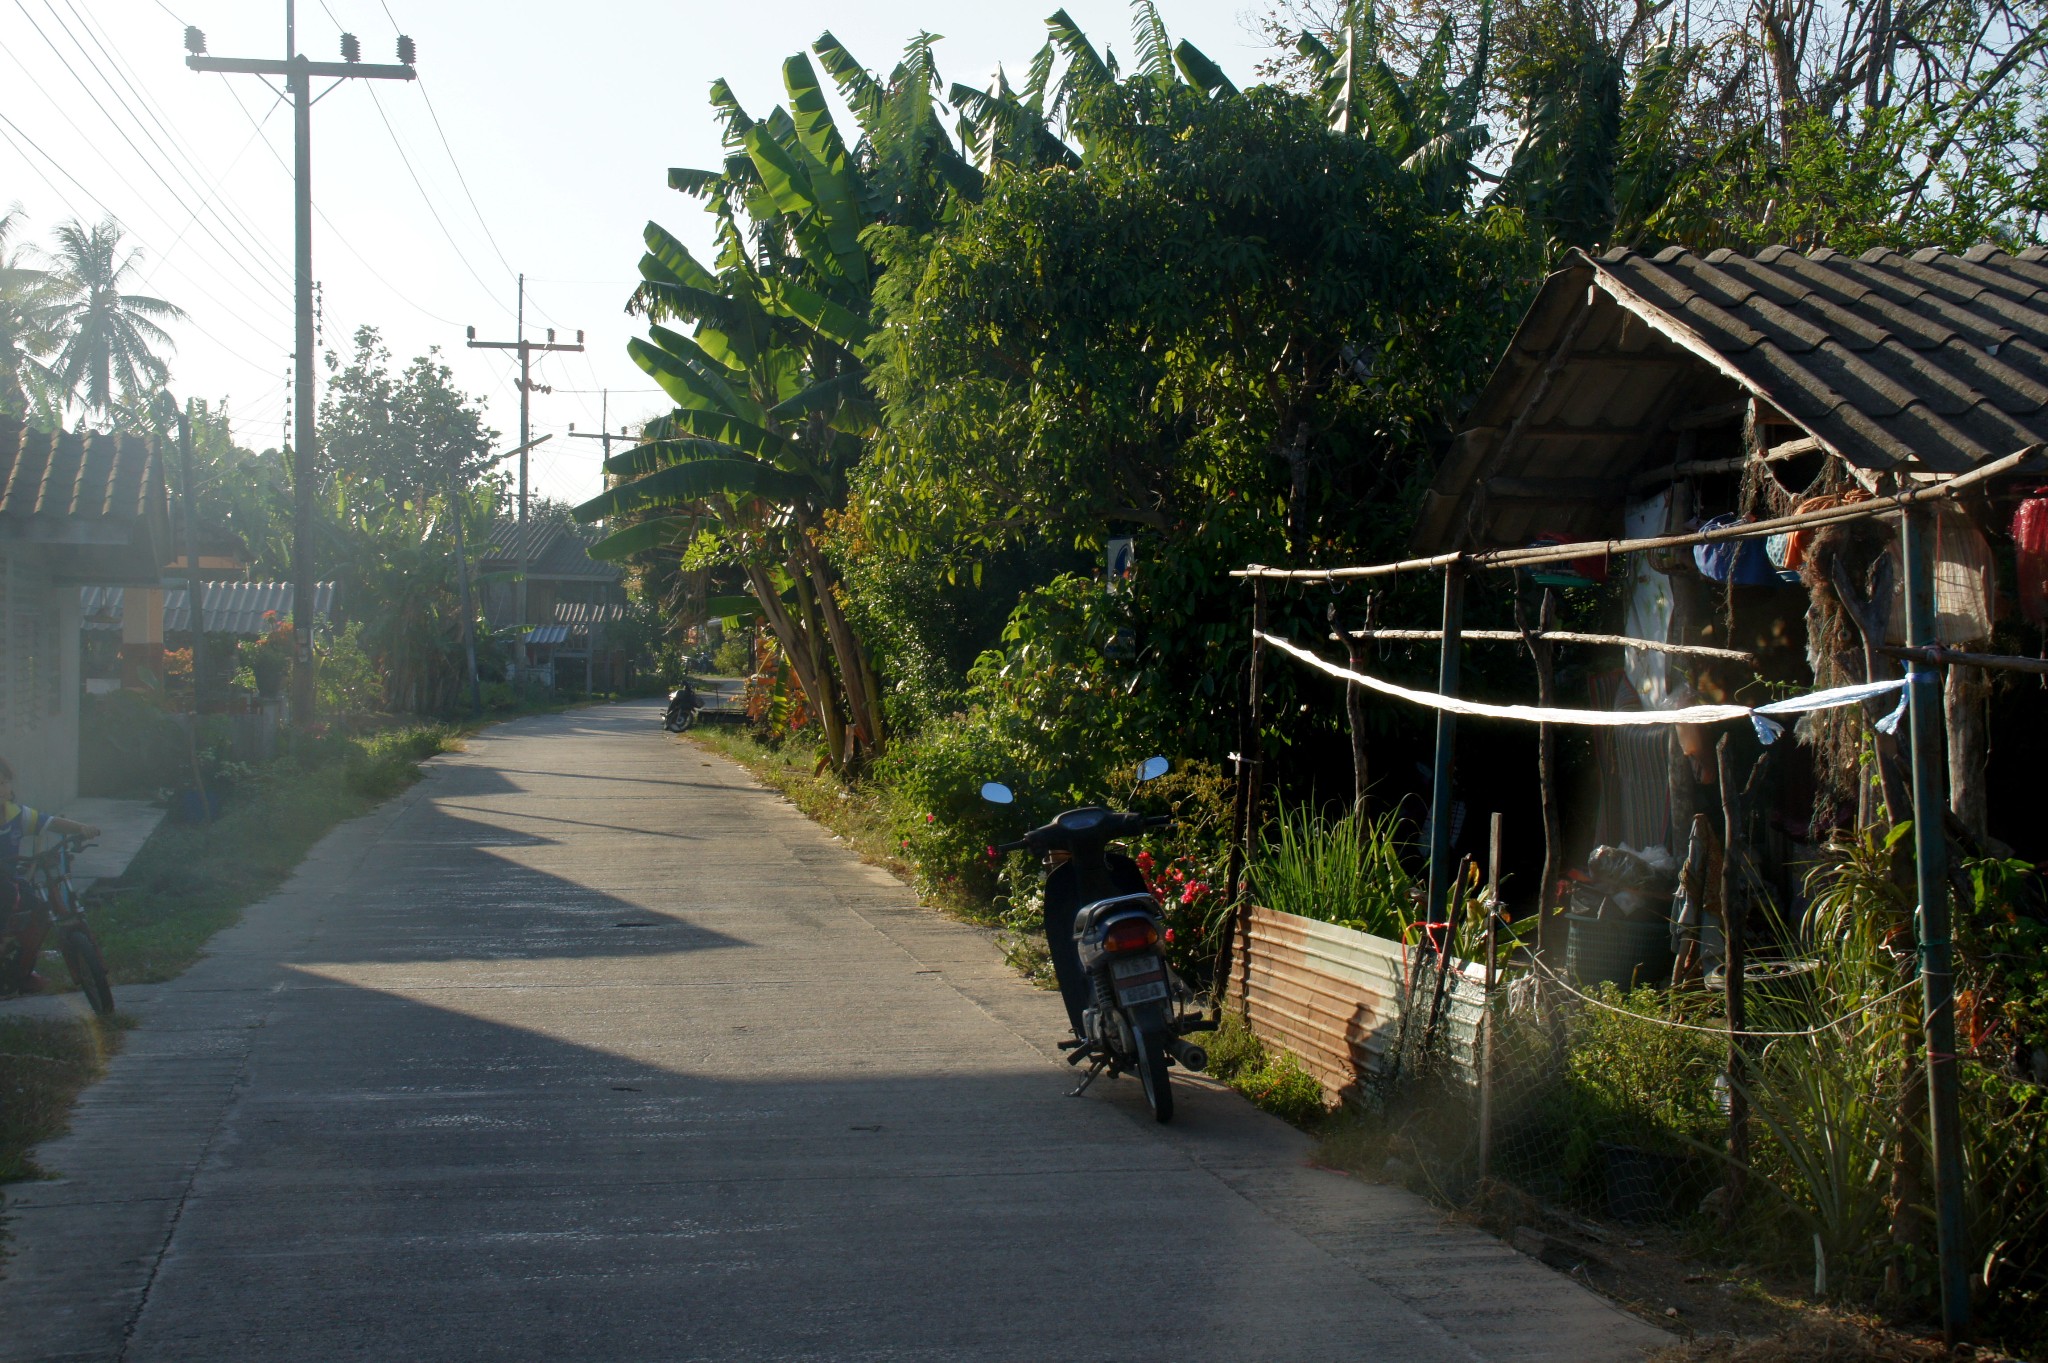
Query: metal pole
[[195, 590], [1486, 1018], [1244, 821], [1930, 866], [303, 451], [1734, 967], [525, 435], [459, 506], [1435, 906]]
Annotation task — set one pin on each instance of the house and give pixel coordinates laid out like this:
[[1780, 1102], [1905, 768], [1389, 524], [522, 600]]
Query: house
[[566, 589], [76, 509], [247, 609], [1647, 396]]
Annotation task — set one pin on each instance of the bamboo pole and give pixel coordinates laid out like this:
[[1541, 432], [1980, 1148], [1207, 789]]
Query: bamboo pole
[[1991, 662], [1887, 505], [1486, 1017], [1243, 818], [1562, 636], [1732, 970]]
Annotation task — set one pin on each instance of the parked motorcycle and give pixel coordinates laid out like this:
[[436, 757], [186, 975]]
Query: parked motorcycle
[[37, 900], [1103, 928], [682, 709]]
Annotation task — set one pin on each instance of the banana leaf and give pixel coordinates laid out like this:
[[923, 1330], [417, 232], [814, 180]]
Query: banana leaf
[[670, 532], [695, 481]]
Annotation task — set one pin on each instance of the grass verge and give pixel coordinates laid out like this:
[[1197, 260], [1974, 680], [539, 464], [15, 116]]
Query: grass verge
[[44, 1063], [191, 880], [187, 883], [863, 814]]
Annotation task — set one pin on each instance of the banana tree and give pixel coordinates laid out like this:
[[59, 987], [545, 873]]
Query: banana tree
[[771, 409]]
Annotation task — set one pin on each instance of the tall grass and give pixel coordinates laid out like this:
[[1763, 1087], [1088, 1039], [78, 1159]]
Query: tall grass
[[1345, 870]]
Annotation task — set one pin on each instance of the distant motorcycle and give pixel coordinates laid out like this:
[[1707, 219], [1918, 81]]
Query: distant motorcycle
[[1104, 931], [682, 709]]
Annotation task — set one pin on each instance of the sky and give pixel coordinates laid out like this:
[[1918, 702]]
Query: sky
[[538, 139]]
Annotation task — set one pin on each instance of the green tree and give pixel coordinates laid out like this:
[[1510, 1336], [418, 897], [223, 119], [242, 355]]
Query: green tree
[[110, 343], [27, 327]]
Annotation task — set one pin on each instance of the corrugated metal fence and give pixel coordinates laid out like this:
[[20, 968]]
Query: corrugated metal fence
[[1331, 996]]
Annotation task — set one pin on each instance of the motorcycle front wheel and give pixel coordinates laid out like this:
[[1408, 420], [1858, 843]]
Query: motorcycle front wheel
[[88, 968], [1152, 1071]]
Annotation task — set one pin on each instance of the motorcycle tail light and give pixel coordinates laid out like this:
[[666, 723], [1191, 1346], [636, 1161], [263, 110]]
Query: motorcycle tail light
[[1133, 934]]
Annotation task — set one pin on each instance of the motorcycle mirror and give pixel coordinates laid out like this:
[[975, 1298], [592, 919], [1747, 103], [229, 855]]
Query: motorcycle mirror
[[996, 793], [1152, 768]]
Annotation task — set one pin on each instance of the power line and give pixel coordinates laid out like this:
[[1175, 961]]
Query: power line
[[150, 273], [217, 192], [113, 217], [232, 251], [400, 294]]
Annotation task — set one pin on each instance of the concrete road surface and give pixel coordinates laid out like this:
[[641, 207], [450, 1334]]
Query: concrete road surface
[[589, 1048]]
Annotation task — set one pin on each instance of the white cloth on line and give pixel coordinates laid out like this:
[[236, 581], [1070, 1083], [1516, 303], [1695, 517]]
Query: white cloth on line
[[1762, 716]]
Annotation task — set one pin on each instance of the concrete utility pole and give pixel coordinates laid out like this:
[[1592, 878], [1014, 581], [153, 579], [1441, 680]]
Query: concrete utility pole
[[526, 349], [299, 73], [603, 432]]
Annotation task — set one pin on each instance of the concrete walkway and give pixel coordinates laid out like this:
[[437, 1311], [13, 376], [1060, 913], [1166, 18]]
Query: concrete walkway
[[588, 1048]]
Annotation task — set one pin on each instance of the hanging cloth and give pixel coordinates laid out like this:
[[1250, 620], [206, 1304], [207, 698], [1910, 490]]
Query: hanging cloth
[[2030, 543], [1962, 583], [1652, 605]]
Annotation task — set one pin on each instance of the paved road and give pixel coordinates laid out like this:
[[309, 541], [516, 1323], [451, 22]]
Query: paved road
[[588, 1048]]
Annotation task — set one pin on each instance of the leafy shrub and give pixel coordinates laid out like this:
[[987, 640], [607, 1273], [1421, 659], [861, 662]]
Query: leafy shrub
[[347, 681], [130, 745], [1346, 870], [735, 656]]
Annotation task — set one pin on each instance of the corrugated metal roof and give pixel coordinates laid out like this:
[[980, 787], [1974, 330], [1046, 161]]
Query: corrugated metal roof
[[97, 498], [553, 551], [1932, 362], [548, 634], [231, 607]]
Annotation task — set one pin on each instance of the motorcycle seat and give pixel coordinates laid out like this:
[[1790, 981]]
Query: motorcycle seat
[[1092, 916]]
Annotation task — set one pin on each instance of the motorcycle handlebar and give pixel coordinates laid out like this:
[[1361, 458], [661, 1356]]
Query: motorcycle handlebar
[[1004, 848], [1159, 821]]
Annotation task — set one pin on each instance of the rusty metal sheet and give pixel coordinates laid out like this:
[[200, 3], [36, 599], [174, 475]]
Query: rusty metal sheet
[[1331, 997]]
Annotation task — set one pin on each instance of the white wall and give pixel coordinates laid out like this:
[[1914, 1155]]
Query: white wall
[[39, 679]]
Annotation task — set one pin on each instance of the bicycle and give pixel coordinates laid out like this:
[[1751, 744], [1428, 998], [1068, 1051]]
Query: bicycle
[[48, 875]]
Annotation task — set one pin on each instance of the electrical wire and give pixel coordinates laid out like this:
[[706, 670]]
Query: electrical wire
[[235, 253], [113, 217], [217, 191]]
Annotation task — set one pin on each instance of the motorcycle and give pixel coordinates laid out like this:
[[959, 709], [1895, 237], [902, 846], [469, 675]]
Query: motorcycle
[[682, 709], [44, 901], [1103, 928]]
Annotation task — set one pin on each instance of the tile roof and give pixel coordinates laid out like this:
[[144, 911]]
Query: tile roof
[[1932, 362], [98, 497], [231, 607]]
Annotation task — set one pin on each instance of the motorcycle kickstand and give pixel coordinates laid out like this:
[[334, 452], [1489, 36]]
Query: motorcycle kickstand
[[1099, 1066]]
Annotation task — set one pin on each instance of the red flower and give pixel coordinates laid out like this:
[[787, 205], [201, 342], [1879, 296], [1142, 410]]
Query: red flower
[[927, 818], [1144, 861]]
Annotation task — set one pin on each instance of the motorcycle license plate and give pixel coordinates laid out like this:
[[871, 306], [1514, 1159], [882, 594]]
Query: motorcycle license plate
[[1139, 981]]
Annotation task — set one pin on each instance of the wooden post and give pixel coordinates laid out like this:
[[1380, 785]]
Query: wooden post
[[1930, 868], [1436, 905], [1965, 699], [1542, 651], [1244, 818], [1486, 1017], [1734, 912], [1354, 712]]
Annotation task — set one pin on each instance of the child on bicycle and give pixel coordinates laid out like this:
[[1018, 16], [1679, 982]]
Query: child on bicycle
[[20, 903]]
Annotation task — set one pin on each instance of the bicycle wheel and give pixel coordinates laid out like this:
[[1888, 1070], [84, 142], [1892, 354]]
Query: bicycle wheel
[[1152, 1070], [88, 968]]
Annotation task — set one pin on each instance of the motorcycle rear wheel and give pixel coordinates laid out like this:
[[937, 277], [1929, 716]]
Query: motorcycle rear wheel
[[1152, 1071], [88, 968]]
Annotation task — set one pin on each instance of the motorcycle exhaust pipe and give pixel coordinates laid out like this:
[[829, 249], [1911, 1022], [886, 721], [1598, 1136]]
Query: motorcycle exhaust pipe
[[1192, 1057]]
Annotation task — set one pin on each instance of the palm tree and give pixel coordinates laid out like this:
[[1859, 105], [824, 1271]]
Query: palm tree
[[25, 324], [110, 338]]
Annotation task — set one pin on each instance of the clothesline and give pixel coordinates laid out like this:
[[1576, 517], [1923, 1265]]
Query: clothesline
[[1764, 717]]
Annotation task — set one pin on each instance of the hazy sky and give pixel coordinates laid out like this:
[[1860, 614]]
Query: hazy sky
[[562, 119]]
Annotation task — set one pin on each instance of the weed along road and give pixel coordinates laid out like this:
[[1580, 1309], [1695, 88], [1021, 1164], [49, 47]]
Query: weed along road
[[589, 1048]]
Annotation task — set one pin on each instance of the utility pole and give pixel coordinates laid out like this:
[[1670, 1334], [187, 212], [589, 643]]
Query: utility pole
[[299, 74], [195, 590], [603, 432], [526, 350]]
